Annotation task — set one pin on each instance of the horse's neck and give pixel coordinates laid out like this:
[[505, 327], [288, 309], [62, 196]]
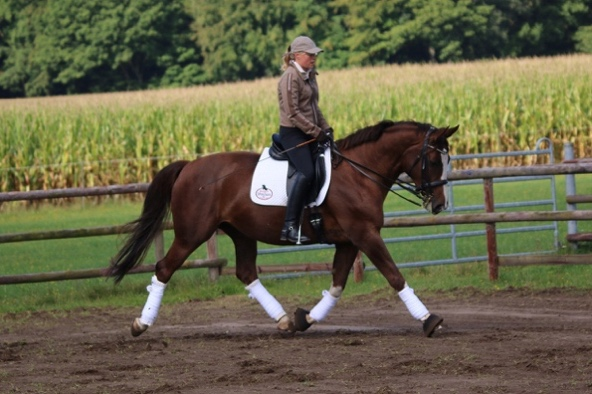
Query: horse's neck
[[383, 158]]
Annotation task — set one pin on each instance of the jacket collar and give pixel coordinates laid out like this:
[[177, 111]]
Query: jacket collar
[[304, 74]]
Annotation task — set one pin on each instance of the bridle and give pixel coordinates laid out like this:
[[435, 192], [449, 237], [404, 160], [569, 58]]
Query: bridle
[[425, 191]]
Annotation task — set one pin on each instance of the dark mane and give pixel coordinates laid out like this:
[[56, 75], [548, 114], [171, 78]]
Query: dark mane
[[373, 133]]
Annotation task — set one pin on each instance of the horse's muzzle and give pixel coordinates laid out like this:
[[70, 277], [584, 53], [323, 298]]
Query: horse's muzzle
[[438, 208], [434, 207], [426, 192]]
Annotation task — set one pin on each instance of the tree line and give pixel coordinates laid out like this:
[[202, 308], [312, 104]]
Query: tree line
[[55, 47]]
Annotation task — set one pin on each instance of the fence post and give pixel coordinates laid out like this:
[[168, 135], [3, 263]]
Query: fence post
[[212, 248], [492, 256], [359, 268], [570, 190]]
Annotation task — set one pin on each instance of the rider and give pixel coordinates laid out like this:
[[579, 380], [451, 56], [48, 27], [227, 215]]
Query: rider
[[301, 120]]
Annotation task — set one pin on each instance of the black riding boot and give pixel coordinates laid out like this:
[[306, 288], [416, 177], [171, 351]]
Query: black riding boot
[[300, 190]]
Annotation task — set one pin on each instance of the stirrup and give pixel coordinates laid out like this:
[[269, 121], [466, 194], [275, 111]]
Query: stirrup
[[291, 234]]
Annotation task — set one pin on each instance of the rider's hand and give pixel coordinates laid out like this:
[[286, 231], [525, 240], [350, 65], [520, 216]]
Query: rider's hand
[[325, 135]]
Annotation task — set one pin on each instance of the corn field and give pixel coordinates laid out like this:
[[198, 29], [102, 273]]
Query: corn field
[[104, 139]]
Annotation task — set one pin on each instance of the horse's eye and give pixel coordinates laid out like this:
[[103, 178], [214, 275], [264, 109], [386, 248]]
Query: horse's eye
[[436, 160]]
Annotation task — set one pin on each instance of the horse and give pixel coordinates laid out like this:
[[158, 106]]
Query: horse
[[212, 192]]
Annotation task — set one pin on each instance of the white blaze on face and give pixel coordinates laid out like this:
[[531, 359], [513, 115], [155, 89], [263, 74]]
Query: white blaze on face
[[427, 203]]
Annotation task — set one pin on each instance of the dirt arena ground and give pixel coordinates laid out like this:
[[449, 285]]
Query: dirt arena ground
[[509, 342]]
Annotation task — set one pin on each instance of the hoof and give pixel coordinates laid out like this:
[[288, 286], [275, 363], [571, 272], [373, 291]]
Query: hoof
[[300, 322], [138, 327], [285, 325], [431, 324]]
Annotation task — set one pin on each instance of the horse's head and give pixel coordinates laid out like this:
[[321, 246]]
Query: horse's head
[[428, 168], [418, 149]]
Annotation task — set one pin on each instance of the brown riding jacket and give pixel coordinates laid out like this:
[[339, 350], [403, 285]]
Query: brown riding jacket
[[299, 102]]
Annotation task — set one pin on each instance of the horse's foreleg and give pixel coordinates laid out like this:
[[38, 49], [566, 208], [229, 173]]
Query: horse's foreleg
[[375, 249], [419, 311], [343, 260], [270, 304]]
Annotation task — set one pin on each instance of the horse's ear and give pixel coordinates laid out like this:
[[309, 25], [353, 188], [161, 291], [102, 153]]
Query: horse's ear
[[448, 131], [445, 132]]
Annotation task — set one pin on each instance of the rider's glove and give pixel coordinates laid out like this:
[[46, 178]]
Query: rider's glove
[[325, 135]]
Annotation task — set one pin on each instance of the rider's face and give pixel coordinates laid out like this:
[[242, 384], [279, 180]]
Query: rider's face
[[306, 60]]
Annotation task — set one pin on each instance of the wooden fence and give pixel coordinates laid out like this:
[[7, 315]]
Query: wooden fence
[[212, 262], [215, 264], [490, 218]]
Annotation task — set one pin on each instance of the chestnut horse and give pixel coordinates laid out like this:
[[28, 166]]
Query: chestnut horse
[[212, 192]]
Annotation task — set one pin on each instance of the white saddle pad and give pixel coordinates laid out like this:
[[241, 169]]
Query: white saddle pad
[[269, 181]]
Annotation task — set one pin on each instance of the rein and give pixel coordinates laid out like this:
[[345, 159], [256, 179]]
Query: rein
[[424, 192], [362, 168]]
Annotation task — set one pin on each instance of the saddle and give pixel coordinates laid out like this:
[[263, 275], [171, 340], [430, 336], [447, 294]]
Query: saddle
[[274, 175], [278, 152]]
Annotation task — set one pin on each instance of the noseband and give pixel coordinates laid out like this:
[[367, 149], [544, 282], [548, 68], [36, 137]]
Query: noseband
[[425, 191]]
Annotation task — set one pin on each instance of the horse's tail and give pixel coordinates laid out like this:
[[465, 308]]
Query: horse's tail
[[144, 229]]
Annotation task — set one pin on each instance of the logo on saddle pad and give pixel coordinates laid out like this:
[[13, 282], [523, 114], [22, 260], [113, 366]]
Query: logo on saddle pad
[[269, 185], [264, 193]]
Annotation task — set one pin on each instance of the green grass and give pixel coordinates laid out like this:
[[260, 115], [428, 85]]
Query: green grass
[[193, 285], [95, 252]]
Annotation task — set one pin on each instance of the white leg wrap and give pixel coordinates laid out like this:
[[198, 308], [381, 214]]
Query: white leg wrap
[[322, 309], [273, 308], [413, 304], [150, 311]]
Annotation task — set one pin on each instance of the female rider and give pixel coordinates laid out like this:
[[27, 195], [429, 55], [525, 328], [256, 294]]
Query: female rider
[[301, 120]]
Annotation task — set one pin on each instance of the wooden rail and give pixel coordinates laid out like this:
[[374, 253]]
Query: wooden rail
[[68, 233], [545, 259], [489, 217], [100, 272], [579, 199], [74, 192]]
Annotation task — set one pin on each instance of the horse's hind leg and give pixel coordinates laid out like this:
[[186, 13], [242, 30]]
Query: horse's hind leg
[[246, 272], [343, 260], [176, 255]]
